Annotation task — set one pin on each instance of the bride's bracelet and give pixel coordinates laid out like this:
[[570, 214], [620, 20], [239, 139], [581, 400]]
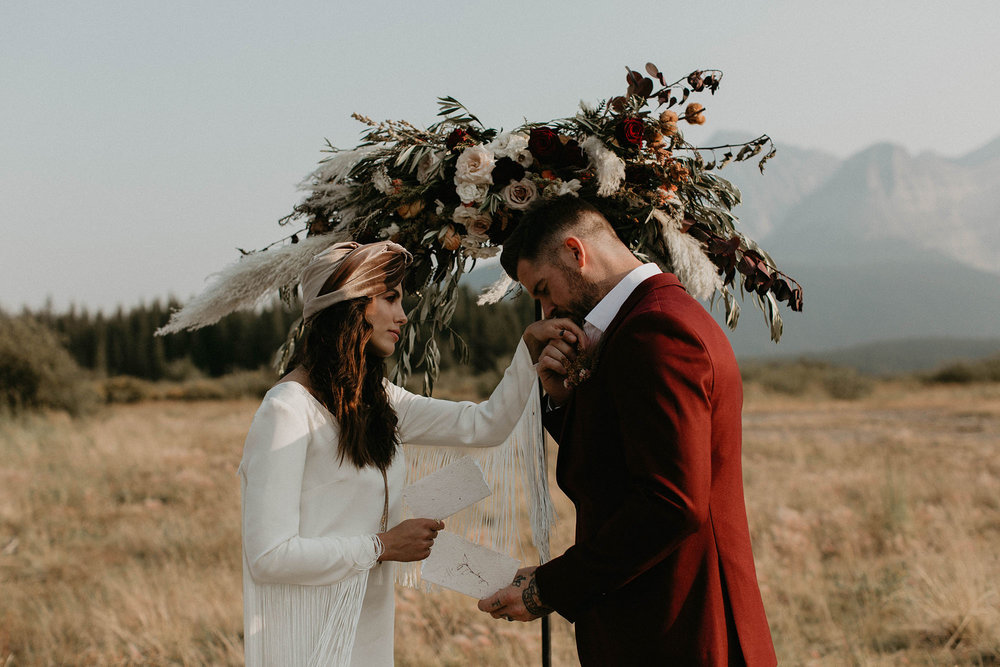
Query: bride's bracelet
[[379, 550]]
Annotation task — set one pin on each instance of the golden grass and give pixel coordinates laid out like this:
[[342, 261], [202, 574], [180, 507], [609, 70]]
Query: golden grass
[[876, 527]]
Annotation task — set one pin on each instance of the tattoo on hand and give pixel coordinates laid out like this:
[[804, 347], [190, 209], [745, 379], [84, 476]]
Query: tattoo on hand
[[532, 601], [518, 580]]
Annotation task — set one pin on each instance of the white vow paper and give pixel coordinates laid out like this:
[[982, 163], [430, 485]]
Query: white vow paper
[[464, 566], [448, 490]]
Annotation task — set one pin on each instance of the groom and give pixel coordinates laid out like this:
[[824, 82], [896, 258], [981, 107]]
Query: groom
[[649, 452]]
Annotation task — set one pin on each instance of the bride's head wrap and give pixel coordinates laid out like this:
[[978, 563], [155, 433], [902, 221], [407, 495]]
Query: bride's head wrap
[[350, 270]]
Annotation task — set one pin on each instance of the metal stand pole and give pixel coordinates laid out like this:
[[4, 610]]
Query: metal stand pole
[[546, 643], [546, 630]]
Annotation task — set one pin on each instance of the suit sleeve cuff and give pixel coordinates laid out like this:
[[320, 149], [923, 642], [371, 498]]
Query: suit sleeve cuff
[[559, 587]]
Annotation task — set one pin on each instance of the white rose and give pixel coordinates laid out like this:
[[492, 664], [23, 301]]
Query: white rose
[[475, 246], [428, 164], [484, 252], [463, 214], [471, 240], [560, 188], [524, 158], [475, 165], [520, 194], [471, 193], [508, 144]]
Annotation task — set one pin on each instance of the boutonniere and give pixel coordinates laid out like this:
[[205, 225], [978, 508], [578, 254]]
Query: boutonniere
[[580, 369]]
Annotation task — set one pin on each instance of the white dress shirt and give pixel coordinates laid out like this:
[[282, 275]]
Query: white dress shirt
[[598, 319]]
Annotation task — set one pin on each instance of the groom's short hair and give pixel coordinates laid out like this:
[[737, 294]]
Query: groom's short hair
[[544, 226]]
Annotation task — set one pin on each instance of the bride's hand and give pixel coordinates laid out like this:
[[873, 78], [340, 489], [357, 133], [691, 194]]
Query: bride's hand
[[410, 540], [539, 334], [553, 368]]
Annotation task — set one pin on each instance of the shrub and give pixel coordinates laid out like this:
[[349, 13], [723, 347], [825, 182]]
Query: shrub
[[36, 371], [182, 369], [197, 390], [128, 389], [248, 384], [804, 375], [966, 372], [847, 384]]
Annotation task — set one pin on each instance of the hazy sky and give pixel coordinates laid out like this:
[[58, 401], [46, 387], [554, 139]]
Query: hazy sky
[[141, 142]]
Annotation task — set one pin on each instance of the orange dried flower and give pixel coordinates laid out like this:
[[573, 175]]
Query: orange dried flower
[[677, 172], [693, 114], [410, 209], [450, 239], [667, 117]]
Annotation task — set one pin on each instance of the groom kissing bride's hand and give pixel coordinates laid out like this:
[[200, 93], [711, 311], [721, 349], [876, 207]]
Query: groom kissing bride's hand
[[556, 360], [647, 416]]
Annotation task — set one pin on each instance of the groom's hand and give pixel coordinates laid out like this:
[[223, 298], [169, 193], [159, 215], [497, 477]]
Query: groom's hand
[[519, 601]]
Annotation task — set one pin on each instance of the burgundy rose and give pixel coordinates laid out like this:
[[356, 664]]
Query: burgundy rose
[[629, 132], [544, 143], [571, 155], [506, 170], [640, 174], [457, 136], [446, 190]]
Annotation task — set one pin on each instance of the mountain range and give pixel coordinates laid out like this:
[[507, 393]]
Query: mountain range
[[888, 246]]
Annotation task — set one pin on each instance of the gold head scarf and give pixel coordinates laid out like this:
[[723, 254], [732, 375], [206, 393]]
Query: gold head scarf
[[350, 270]]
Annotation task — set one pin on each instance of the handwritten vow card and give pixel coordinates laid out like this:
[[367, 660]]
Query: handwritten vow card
[[455, 562], [464, 566], [449, 490]]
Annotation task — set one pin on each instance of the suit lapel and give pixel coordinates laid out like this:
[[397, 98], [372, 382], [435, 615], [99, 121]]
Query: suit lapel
[[637, 295]]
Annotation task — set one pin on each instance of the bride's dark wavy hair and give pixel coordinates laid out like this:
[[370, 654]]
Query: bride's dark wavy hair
[[348, 381]]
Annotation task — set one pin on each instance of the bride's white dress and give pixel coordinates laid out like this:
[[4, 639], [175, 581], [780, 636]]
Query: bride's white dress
[[309, 597]]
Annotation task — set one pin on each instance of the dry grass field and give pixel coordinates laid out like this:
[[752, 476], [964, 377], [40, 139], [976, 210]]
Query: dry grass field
[[876, 526]]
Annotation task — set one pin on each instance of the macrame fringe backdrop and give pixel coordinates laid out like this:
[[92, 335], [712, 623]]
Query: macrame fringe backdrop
[[494, 521], [245, 284], [288, 611]]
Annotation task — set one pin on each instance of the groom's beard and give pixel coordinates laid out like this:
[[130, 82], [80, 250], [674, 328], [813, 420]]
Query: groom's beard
[[586, 295]]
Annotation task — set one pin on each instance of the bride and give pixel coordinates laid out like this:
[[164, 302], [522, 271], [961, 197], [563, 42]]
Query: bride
[[322, 470]]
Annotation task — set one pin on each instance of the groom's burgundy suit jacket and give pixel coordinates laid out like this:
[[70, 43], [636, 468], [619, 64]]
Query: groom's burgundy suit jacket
[[662, 571]]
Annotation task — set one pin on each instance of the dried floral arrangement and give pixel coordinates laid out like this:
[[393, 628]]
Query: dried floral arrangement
[[451, 194]]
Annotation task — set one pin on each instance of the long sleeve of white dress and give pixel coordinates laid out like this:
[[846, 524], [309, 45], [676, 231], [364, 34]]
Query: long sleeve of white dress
[[430, 421], [275, 455], [309, 517]]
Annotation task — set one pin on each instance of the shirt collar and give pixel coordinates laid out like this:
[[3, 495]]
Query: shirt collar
[[606, 309]]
